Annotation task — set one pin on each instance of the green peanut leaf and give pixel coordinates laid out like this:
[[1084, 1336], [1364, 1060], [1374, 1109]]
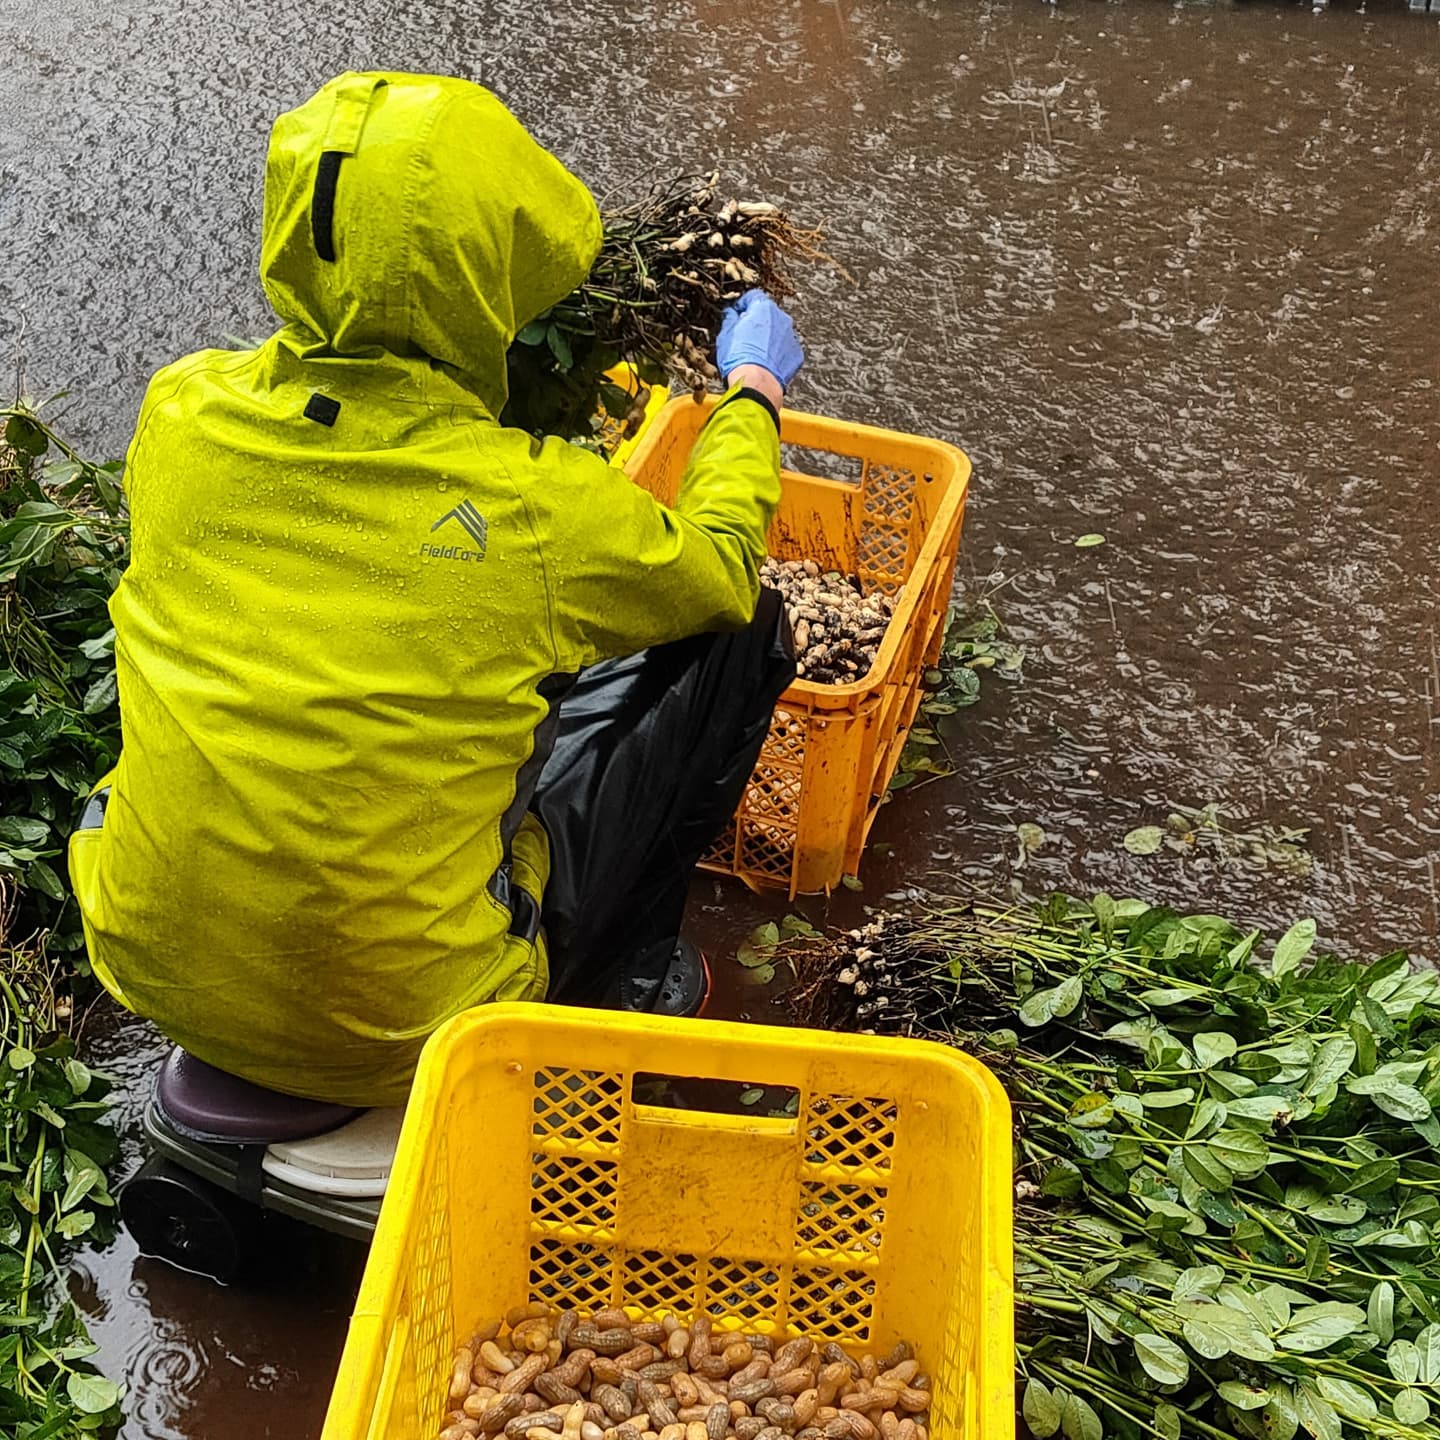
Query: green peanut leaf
[[1294, 945], [91, 1393], [1078, 1419], [1317, 1327], [1380, 1312], [1206, 1167], [75, 1224], [1145, 840], [1316, 1413], [1403, 1359], [1042, 1006], [1337, 1210], [1167, 1099], [1041, 1410], [1198, 1280], [1395, 1098], [1350, 1400], [1163, 1360], [1244, 1397], [1427, 1347], [1331, 1061], [1243, 1152], [1411, 1407], [1213, 1047]]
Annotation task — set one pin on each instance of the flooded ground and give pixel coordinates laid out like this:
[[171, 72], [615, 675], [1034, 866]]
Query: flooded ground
[[1169, 272]]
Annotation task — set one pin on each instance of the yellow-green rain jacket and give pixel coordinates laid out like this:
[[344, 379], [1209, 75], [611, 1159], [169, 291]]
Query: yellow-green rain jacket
[[348, 589]]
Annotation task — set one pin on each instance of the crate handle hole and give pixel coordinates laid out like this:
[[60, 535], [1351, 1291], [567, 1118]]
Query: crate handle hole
[[705, 1095], [822, 464]]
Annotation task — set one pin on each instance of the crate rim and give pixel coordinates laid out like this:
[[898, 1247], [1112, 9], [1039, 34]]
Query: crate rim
[[376, 1290]]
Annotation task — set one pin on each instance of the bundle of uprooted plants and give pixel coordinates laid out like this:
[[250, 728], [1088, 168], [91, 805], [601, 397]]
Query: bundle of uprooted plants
[[669, 264], [1227, 1160]]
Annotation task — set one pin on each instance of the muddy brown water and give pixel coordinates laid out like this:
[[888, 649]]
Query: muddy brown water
[[1169, 272]]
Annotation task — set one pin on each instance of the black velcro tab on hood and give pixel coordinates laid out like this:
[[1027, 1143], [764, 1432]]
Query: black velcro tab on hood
[[322, 204]]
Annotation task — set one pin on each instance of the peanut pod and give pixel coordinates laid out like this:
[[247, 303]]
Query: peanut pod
[[517, 1429], [523, 1376]]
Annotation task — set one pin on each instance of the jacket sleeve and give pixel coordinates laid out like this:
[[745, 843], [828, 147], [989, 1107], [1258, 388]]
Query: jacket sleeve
[[625, 572]]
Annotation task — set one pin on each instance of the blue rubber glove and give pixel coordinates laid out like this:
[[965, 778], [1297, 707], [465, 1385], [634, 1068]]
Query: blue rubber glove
[[756, 331]]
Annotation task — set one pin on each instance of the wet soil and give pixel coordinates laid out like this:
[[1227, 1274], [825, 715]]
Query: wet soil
[[1167, 272]]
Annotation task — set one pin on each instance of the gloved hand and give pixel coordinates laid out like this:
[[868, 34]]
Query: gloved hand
[[756, 331]]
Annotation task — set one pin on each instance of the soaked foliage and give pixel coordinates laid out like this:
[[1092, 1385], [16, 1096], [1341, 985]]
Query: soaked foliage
[[55, 1148], [62, 548], [1226, 1159]]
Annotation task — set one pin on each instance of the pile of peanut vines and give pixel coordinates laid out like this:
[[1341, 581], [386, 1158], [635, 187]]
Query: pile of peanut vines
[[1227, 1169]]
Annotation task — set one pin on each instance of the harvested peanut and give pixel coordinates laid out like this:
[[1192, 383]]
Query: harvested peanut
[[606, 1371], [495, 1358], [751, 1391], [522, 1377], [699, 1341], [792, 1382], [460, 1373], [545, 1374], [518, 1428], [791, 1355], [495, 1414], [533, 1336], [550, 1387], [614, 1403], [655, 1405], [738, 1355], [902, 1373], [916, 1401]]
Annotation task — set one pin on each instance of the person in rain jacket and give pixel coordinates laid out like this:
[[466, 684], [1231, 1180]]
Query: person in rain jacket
[[383, 759]]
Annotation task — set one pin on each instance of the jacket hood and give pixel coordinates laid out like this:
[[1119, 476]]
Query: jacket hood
[[412, 215]]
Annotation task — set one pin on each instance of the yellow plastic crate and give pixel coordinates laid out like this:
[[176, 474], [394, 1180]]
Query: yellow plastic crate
[[530, 1169], [832, 750]]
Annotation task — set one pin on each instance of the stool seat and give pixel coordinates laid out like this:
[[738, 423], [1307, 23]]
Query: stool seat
[[209, 1104]]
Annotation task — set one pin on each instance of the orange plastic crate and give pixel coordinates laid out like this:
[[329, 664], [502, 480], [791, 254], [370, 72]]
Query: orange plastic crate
[[893, 521]]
